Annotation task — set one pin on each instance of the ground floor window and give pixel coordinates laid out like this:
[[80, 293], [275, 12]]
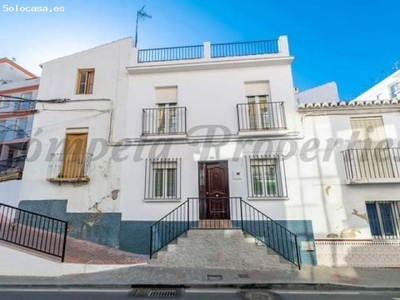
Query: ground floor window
[[162, 178], [266, 176], [384, 219]]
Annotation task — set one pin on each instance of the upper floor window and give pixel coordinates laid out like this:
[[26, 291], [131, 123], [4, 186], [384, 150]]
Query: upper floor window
[[85, 81], [24, 104], [3, 130], [20, 127], [395, 90]]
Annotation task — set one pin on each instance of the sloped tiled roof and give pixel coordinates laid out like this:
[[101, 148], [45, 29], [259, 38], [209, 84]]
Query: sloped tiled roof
[[353, 103]]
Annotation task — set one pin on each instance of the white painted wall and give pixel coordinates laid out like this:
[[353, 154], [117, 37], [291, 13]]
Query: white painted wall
[[9, 192], [327, 92], [85, 111]]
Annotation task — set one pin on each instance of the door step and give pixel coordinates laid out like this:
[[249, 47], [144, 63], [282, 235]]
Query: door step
[[215, 224]]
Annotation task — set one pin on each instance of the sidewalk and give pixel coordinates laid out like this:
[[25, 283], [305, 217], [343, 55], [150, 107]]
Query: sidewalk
[[308, 277]]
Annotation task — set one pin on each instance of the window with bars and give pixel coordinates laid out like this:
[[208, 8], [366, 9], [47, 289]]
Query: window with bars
[[266, 176], [163, 178], [384, 219]]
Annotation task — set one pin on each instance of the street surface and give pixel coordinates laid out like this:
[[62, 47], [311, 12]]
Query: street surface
[[211, 294]]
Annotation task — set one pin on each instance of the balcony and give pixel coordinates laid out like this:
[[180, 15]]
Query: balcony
[[261, 117], [12, 168], [379, 165], [166, 122], [69, 168]]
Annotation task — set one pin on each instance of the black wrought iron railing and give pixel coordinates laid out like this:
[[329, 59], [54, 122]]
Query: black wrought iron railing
[[244, 48], [376, 163], [15, 163], [164, 121], [261, 116], [169, 227], [224, 213], [33, 231], [270, 233], [171, 53], [69, 167]]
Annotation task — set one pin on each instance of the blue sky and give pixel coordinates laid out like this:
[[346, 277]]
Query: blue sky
[[352, 42]]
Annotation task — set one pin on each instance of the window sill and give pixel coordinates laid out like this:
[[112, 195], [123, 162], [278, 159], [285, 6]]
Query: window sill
[[267, 198], [163, 200], [69, 180], [171, 136], [372, 181], [264, 132]]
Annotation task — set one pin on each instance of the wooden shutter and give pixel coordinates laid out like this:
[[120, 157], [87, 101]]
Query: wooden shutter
[[74, 155]]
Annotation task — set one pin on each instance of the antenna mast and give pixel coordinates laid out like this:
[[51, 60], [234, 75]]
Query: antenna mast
[[141, 14]]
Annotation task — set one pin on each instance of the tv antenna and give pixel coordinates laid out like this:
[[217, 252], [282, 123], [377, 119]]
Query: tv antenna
[[140, 15]]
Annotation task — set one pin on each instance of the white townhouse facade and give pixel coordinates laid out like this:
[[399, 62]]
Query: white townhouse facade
[[135, 147]]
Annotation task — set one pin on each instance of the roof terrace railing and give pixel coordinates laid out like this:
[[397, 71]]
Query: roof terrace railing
[[172, 53], [209, 51], [246, 48]]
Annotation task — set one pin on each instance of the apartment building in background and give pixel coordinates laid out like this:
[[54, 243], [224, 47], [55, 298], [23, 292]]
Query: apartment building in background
[[16, 119]]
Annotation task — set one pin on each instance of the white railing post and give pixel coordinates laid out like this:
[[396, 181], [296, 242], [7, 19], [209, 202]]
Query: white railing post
[[207, 50], [283, 45]]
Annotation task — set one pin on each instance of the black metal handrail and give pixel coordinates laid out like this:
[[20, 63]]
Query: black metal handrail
[[33, 231], [270, 233], [244, 48], [169, 227], [13, 163], [224, 213], [170, 53], [371, 163], [261, 116], [164, 121]]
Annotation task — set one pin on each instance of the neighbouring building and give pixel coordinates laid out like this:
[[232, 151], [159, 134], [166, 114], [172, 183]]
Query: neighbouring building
[[387, 89], [16, 118], [210, 137], [327, 92]]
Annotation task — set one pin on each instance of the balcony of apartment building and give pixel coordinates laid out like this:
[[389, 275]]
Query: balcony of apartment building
[[12, 168], [374, 165]]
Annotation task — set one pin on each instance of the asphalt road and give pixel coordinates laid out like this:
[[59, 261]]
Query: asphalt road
[[69, 294]]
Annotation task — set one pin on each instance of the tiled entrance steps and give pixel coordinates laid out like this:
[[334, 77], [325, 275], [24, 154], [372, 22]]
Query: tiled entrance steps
[[229, 249]]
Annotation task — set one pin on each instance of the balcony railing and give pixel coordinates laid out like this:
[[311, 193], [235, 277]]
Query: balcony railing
[[164, 121], [171, 53], [245, 48], [208, 51], [261, 116], [377, 163], [69, 167], [12, 168]]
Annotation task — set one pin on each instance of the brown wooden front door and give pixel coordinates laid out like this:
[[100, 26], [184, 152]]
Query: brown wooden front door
[[214, 190]]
